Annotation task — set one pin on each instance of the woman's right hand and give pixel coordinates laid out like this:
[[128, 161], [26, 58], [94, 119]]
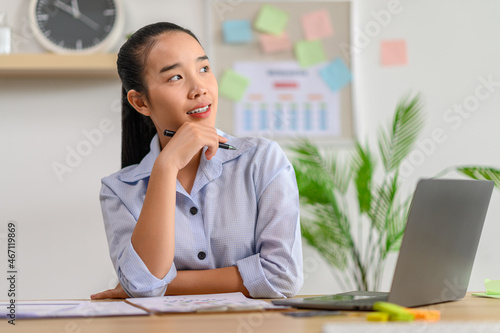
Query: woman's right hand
[[117, 292], [189, 139]]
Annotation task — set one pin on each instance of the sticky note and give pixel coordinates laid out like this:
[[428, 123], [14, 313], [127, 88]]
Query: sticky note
[[237, 31], [275, 43], [271, 20], [390, 308], [492, 289], [425, 315], [377, 316], [492, 286], [396, 312], [317, 25], [233, 85], [309, 53], [393, 53], [336, 74]]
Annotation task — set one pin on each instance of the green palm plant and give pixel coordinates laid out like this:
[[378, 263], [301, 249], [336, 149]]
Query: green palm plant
[[357, 241]]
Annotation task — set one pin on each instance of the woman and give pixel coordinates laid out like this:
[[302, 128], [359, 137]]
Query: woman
[[183, 216]]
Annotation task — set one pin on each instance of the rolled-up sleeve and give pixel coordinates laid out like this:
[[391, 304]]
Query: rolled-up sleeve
[[275, 271], [133, 274]]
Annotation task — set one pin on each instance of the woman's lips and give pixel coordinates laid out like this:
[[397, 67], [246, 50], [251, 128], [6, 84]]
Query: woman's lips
[[203, 114]]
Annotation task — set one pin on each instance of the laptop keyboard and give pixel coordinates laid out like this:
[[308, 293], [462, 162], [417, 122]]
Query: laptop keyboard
[[368, 300]]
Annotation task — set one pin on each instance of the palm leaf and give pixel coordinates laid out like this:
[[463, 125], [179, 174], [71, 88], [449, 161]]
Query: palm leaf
[[314, 182], [312, 188], [318, 177], [331, 170], [382, 206], [341, 175], [363, 165], [407, 123], [481, 173], [396, 224], [326, 235]]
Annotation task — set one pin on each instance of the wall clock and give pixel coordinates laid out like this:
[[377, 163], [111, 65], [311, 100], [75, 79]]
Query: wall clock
[[77, 26]]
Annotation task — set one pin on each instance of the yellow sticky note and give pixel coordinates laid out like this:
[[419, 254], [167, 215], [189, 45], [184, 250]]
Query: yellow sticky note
[[309, 53], [377, 316], [271, 20], [233, 85]]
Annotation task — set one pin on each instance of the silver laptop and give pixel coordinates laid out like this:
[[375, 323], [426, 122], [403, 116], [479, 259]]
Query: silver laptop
[[439, 245]]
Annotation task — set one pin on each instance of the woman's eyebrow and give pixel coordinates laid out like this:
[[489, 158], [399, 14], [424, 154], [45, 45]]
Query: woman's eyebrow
[[169, 68], [202, 58]]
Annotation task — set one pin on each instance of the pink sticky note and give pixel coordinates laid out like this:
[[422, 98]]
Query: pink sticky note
[[393, 53], [275, 43], [317, 25]]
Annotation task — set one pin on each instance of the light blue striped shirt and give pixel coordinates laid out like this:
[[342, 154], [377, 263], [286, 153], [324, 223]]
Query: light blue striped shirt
[[243, 210]]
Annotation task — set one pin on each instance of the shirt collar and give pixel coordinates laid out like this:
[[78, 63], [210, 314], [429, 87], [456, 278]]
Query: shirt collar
[[211, 169]]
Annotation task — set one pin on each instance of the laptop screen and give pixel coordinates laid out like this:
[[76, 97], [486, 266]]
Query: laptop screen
[[439, 245]]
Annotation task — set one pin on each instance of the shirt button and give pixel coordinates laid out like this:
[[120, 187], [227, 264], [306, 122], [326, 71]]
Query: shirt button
[[201, 255], [193, 210]]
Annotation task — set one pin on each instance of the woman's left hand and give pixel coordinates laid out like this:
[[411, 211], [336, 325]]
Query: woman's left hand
[[118, 292]]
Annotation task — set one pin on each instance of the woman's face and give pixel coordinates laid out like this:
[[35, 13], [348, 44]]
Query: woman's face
[[180, 83]]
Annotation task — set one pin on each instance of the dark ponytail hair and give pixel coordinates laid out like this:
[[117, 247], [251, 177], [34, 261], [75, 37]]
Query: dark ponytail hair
[[137, 129]]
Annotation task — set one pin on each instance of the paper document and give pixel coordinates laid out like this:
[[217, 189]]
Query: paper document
[[201, 303], [284, 100], [67, 309]]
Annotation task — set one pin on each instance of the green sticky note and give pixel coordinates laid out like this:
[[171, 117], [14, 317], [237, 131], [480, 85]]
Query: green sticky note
[[271, 20], [396, 312], [233, 85], [309, 53], [492, 289], [390, 308], [486, 295]]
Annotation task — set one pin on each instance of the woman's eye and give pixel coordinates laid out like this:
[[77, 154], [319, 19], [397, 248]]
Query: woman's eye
[[205, 69], [175, 78]]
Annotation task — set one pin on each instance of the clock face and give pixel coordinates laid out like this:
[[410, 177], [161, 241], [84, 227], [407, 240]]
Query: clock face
[[79, 26]]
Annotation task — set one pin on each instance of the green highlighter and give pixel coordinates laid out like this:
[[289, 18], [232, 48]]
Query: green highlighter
[[396, 312]]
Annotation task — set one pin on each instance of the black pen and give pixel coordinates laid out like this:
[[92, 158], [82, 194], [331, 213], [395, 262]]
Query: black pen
[[221, 145]]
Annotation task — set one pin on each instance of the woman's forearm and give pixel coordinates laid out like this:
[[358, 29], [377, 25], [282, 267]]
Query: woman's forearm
[[153, 237], [211, 281]]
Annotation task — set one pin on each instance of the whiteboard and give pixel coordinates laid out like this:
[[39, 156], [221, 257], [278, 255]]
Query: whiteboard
[[225, 56]]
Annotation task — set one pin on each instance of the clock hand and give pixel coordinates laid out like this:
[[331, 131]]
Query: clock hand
[[71, 10], [75, 8], [61, 5], [88, 21]]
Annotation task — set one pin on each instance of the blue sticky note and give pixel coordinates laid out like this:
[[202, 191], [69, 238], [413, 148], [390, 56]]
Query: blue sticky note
[[336, 74], [237, 31]]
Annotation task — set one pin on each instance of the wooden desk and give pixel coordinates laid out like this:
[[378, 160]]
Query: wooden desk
[[468, 309]]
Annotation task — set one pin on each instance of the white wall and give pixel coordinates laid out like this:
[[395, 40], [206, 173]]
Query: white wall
[[62, 248], [451, 46], [61, 241], [452, 50]]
